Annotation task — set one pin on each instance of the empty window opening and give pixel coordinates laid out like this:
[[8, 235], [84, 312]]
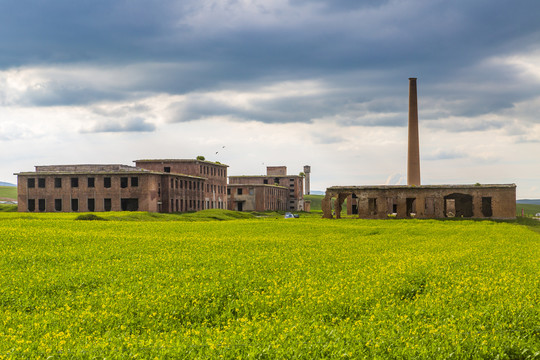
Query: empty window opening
[[41, 182], [458, 205], [134, 181], [372, 206], [228, 191], [177, 205], [251, 191], [31, 205], [276, 180], [411, 206], [123, 182], [129, 204], [91, 204], [167, 169], [57, 182], [239, 192], [91, 182], [265, 181], [74, 182], [41, 204], [74, 204], [107, 204], [487, 211], [354, 209], [57, 204], [31, 183], [239, 206], [354, 196], [106, 182]]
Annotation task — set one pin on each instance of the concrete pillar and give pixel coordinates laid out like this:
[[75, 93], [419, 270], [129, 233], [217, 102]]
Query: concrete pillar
[[307, 171], [413, 156]]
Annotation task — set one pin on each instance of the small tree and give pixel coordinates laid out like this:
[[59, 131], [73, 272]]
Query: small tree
[[302, 174], [200, 157]]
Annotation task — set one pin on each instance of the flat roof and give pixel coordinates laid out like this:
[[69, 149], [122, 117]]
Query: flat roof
[[412, 187], [263, 176], [258, 185], [180, 161], [115, 172]]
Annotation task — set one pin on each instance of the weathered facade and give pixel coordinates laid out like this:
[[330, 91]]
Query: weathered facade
[[423, 202], [67, 188], [277, 175], [215, 174], [257, 197]]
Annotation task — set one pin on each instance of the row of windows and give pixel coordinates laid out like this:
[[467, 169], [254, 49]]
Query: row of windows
[[189, 205], [91, 182], [125, 204], [212, 171], [181, 184]]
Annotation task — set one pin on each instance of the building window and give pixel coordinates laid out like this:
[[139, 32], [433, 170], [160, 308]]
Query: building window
[[41, 204], [172, 183], [41, 182], [123, 182], [57, 204], [134, 181], [167, 169], [250, 191], [57, 182], [239, 191], [91, 204], [265, 181], [74, 182], [228, 191], [107, 205], [74, 204], [31, 205], [190, 185], [31, 182], [107, 182], [91, 182]]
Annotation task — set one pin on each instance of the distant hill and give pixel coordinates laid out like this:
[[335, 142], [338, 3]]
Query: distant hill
[[529, 201], [6, 184]]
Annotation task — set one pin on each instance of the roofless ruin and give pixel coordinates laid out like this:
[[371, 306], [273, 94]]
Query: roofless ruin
[[493, 201]]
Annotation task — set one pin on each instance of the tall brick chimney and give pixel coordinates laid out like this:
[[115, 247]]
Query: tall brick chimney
[[413, 156]]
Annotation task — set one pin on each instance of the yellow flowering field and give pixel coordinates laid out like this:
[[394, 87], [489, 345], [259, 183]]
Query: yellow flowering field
[[268, 289]]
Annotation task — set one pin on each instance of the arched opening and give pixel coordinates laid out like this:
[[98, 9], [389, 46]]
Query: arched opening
[[458, 205]]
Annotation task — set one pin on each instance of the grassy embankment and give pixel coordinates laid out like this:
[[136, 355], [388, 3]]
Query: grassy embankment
[[8, 193], [266, 288]]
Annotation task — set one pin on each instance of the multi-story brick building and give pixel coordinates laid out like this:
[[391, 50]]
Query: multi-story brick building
[[215, 175], [68, 188], [257, 197], [275, 175]]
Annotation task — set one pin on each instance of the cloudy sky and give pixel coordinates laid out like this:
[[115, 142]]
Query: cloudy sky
[[253, 83]]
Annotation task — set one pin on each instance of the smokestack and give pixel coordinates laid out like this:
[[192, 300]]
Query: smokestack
[[413, 156], [307, 171]]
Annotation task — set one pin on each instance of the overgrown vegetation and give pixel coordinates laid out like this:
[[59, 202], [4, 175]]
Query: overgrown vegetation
[[267, 288]]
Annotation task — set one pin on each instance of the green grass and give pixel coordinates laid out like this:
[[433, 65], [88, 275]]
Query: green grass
[[267, 288], [528, 209], [8, 192]]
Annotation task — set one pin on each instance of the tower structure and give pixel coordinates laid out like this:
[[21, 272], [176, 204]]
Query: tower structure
[[413, 155], [307, 171]]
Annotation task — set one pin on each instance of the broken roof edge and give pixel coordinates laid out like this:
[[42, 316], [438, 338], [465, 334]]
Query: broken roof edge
[[411, 187], [265, 176], [180, 160]]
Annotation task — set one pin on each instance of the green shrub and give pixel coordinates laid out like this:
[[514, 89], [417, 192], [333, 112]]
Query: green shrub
[[89, 217]]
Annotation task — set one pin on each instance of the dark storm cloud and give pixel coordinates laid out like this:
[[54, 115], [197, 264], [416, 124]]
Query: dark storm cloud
[[374, 45]]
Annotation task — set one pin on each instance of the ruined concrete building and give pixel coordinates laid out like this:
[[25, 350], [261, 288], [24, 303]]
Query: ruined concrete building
[[153, 185], [495, 201], [274, 191]]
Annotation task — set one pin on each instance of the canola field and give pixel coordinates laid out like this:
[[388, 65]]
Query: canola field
[[277, 288]]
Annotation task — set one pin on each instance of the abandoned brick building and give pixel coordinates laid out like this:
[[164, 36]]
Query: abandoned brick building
[[496, 201], [153, 185], [274, 191]]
